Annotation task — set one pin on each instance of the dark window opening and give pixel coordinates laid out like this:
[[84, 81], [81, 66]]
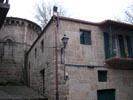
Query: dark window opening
[[43, 79], [85, 37], [35, 52], [106, 94], [42, 45], [102, 76]]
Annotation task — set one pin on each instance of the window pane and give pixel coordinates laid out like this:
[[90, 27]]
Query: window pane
[[85, 37], [106, 45], [81, 37], [102, 76], [87, 40], [129, 46], [122, 46]]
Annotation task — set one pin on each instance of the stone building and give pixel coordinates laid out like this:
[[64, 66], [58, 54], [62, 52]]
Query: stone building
[[4, 8], [96, 64], [16, 37]]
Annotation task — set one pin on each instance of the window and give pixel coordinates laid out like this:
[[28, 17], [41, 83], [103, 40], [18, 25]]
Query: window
[[121, 45], [8, 48], [35, 52], [129, 46], [42, 45], [43, 79], [106, 94], [85, 37], [106, 45], [102, 76]]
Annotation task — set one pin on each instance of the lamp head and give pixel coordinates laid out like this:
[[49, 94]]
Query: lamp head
[[65, 40]]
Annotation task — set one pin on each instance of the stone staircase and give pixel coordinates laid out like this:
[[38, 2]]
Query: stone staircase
[[19, 93]]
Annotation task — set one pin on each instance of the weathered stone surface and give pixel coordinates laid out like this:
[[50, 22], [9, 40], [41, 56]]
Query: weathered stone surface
[[16, 37], [82, 64]]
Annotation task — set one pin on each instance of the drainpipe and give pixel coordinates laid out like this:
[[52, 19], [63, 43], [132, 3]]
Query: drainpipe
[[56, 56]]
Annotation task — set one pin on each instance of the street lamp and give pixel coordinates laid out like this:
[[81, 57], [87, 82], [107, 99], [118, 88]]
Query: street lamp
[[55, 9], [65, 40]]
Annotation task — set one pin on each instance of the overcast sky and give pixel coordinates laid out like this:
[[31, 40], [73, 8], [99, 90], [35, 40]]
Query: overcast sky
[[90, 10]]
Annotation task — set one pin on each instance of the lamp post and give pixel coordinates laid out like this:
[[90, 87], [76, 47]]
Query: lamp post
[[64, 41]]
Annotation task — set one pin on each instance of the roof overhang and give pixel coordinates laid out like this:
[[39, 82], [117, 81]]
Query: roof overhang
[[116, 24]]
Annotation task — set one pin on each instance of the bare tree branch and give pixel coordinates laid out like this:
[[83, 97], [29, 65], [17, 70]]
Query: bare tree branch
[[44, 11], [128, 15]]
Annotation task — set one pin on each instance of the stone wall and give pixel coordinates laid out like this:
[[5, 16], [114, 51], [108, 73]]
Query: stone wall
[[83, 83], [81, 63], [12, 64], [80, 54], [16, 37], [43, 60]]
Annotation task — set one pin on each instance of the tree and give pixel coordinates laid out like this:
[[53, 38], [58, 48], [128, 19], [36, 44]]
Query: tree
[[128, 15], [44, 11]]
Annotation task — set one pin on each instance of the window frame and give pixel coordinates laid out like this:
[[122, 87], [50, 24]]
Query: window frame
[[84, 39], [102, 73]]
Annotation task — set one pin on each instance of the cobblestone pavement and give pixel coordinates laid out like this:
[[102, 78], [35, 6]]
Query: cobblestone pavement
[[19, 93]]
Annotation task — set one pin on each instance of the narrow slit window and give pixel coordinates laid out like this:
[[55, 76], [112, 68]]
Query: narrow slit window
[[35, 52], [42, 46]]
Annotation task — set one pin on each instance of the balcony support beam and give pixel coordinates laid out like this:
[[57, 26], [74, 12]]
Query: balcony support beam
[[123, 63]]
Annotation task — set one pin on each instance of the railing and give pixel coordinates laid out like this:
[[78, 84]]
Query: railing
[[116, 54], [4, 1]]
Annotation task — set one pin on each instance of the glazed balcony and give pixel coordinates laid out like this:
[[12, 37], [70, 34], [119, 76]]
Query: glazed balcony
[[119, 53], [120, 62], [4, 8]]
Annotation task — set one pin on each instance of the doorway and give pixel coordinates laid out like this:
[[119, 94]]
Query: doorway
[[107, 94]]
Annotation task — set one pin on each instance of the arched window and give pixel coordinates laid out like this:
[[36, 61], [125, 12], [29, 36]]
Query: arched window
[[8, 48]]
